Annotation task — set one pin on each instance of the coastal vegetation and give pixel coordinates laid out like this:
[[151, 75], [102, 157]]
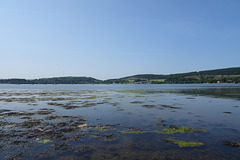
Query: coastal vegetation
[[227, 75]]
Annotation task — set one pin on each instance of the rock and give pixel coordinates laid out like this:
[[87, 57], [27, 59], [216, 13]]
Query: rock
[[232, 144], [82, 125]]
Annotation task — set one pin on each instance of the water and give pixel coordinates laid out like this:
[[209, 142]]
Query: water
[[115, 86], [197, 121]]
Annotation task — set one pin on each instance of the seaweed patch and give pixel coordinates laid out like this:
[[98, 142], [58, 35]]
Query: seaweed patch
[[184, 143]]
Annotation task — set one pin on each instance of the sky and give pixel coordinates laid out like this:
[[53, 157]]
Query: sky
[[117, 38]]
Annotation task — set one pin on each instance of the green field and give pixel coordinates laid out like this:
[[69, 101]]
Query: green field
[[157, 80], [131, 80]]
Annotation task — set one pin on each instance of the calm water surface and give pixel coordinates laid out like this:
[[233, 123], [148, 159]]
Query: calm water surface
[[197, 121]]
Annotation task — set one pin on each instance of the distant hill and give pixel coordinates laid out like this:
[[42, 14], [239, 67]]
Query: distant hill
[[226, 75], [67, 80], [55, 80]]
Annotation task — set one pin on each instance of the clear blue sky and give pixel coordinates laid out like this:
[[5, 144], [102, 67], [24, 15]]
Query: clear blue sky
[[116, 38]]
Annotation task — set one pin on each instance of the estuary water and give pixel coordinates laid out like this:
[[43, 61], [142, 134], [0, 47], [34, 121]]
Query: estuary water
[[132, 121]]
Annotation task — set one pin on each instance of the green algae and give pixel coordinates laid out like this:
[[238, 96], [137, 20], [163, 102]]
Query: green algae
[[133, 132], [146, 91], [44, 140], [140, 132], [93, 97], [155, 131], [182, 129], [60, 119], [184, 143], [107, 99], [103, 128], [171, 130], [100, 128]]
